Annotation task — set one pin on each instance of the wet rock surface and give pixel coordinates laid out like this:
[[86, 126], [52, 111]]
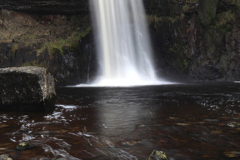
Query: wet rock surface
[[158, 155], [26, 88], [24, 146], [195, 40]]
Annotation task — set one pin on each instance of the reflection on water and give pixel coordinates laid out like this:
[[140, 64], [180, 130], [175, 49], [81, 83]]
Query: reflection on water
[[185, 121]]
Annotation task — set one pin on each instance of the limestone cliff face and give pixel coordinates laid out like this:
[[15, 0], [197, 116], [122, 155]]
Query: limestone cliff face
[[193, 40]]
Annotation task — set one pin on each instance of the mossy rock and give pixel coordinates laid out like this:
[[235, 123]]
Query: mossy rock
[[158, 155], [24, 146], [26, 88]]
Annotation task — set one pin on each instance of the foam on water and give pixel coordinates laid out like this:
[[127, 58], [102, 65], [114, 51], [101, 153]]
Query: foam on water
[[121, 82]]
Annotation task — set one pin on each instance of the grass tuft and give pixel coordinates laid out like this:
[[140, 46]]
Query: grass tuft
[[225, 18], [58, 44]]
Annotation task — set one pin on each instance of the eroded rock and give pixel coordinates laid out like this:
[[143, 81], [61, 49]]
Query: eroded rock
[[26, 88]]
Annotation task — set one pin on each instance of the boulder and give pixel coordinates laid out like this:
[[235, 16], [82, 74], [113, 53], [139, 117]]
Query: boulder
[[26, 88]]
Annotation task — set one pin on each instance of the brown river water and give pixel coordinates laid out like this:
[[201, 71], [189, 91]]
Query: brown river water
[[186, 121]]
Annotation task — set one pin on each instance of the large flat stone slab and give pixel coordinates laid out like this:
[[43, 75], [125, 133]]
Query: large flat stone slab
[[26, 88]]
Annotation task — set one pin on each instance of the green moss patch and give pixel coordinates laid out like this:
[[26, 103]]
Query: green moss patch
[[155, 19], [14, 47], [207, 11], [33, 63], [225, 18], [186, 7], [178, 59], [69, 42]]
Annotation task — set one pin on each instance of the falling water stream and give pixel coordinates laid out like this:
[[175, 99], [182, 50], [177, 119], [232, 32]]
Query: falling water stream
[[123, 43]]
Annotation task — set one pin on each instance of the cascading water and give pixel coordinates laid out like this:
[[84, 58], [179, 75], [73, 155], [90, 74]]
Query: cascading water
[[123, 43]]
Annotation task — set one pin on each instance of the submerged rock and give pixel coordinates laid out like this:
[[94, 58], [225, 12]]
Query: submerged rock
[[26, 88], [5, 157], [232, 154], [24, 146], [158, 155], [211, 120], [233, 124], [131, 143], [24, 117]]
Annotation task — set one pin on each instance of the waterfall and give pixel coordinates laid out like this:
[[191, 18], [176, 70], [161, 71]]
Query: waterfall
[[123, 43]]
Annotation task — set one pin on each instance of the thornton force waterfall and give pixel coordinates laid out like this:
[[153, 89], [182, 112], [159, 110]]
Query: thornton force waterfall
[[123, 43]]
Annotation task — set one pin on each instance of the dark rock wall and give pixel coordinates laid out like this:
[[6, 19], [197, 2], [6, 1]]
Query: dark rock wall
[[61, 43], [46, 6], [196, 40], [193, 40]]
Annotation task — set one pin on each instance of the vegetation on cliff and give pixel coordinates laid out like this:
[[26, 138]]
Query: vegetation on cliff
[[50, 41], [192, 38]]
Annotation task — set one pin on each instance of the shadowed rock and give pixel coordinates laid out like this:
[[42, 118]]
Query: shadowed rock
[[47, 7], [26, 88]]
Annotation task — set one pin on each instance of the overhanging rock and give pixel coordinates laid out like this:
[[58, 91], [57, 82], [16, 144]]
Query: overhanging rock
[[26, 88]]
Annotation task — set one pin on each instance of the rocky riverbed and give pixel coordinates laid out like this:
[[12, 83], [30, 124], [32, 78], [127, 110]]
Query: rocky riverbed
[[185, 121]]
